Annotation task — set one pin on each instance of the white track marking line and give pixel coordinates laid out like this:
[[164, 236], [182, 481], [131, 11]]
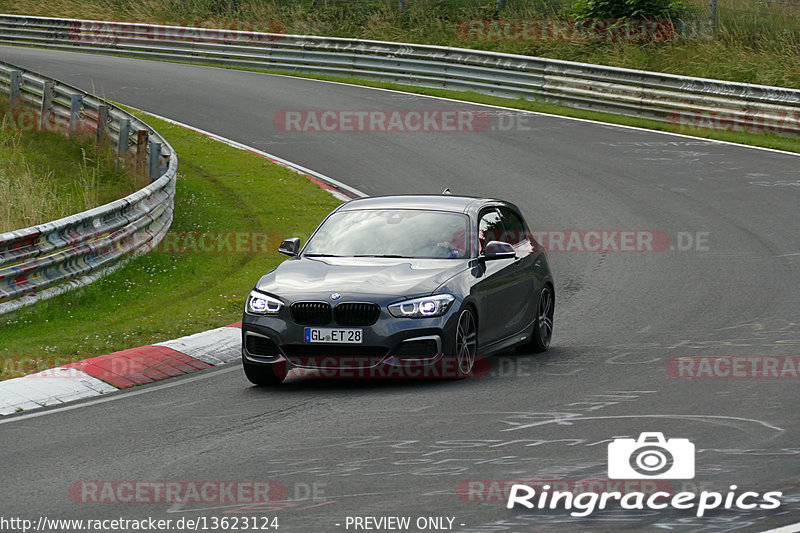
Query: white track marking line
[[118, 395], [790, 528], [241, 146], [492, 106]]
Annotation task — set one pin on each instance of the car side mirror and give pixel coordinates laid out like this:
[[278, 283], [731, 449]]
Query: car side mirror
[[498, 250], [290, 247]]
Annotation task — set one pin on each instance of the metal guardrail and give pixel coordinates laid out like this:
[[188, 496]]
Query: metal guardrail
[[46, 259], [650, 95]]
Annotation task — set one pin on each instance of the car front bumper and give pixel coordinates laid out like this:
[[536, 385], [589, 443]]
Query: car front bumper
[[405, 345]]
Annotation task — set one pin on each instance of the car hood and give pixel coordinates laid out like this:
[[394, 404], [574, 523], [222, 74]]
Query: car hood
[[305, 276]]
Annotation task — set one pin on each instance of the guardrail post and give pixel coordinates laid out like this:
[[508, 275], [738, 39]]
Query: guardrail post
[[102, 120], [122, 142], [75, 112], [155, 160], [16, 80], [713, 14], [141, 148], [47, 105]]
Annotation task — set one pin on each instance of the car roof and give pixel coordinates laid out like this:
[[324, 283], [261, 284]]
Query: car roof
[[440, 202]]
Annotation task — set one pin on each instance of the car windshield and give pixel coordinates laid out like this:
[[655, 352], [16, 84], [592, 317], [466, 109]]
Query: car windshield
[[406, 233]]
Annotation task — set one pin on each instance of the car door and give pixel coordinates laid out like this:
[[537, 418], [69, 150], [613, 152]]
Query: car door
[[495, 288], [522, 292]]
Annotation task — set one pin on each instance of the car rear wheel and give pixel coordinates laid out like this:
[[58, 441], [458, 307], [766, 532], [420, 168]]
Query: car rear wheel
[[265, 375]]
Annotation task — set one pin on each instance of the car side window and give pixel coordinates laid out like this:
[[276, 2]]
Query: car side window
[[515, 231], [490, 227]]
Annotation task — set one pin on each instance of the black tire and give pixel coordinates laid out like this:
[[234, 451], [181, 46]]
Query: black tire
[[543, 326], [264, 375], [459, 363]]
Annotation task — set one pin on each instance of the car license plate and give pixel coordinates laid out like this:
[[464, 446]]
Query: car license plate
[[334, 335]]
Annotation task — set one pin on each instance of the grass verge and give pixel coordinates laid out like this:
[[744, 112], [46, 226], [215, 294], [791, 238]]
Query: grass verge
[[45, 175], [223, 193]]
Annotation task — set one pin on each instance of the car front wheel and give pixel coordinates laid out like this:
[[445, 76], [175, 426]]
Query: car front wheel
[[543, 327], [458, 364]]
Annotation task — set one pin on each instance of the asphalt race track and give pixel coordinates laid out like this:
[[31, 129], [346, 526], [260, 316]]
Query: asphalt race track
[[401, 448]]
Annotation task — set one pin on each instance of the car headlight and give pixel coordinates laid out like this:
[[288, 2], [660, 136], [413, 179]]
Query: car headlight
[[261, 304], [428, 306]]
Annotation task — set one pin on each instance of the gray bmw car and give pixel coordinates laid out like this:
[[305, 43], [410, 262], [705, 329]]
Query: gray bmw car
[[412, 286]]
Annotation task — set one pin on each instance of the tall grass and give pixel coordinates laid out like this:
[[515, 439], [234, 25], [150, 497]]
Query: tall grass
[[45, 176], [24, 193]]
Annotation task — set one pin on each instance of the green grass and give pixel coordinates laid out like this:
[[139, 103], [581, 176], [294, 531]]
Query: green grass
[[44, 175], [161, 296], [755, 41]]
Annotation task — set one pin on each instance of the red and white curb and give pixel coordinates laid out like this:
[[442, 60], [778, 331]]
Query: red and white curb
[[121, 370]]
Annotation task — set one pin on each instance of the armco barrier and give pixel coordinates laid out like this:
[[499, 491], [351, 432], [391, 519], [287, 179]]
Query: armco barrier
[[46, 259], [655, 96]]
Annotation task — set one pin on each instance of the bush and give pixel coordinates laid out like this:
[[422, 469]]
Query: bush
[[636, 9]]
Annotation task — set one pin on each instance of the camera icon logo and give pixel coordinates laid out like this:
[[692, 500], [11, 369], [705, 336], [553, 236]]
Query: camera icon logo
[[651, 457]]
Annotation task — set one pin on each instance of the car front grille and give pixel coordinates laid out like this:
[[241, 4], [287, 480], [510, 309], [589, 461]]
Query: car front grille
[[356, 314], [311, 313], [346, 314]]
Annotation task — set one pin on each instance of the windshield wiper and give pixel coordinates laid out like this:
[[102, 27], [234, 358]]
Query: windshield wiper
[[322, 255]]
